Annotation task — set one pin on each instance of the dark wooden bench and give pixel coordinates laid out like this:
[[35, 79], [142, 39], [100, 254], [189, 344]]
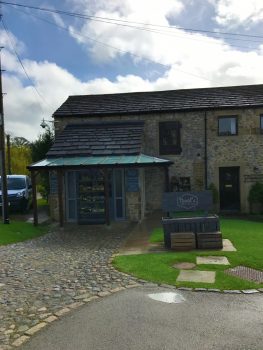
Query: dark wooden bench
[[205, 228], [183, 241]]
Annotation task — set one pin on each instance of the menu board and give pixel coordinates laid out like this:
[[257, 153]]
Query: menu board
[[53, 183], [132, 180]]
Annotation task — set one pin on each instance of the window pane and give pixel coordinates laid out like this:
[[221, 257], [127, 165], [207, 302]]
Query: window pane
[[233, 126], [227, 126], [118, 183], [169, 137], [71, 185]]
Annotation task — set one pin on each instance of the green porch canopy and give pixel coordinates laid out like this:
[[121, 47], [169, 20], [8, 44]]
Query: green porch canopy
[[139, 160]]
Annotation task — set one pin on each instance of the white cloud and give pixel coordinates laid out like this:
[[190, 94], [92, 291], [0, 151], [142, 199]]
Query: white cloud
[[233, 13], [187, 59]]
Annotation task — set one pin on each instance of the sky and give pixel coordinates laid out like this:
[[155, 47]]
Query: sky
[[122, 46]]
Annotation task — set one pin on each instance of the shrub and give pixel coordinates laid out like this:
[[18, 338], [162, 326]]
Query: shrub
[[215, 194], [256, 193]]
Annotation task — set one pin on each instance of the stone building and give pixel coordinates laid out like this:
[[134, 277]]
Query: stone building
[[118, 153]]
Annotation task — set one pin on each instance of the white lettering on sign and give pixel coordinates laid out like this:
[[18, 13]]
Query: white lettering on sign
[[187, 201]]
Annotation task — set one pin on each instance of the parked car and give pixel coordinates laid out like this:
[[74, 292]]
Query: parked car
[[19, 192]]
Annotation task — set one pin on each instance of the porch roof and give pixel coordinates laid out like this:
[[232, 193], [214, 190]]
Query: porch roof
[[140, 160]]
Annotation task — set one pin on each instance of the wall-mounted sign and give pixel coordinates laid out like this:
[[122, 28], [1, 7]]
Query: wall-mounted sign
[[187, 201], [253, 178], [53, 183], [132, 180]]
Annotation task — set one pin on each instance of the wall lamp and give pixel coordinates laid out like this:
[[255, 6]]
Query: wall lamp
[[44, 123]]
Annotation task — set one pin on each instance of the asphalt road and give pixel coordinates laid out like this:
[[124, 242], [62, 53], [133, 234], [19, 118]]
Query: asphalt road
[[131, 320]]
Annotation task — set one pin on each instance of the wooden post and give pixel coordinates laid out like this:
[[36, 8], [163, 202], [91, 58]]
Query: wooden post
[[60, 198], [34, 199], [107, 196]]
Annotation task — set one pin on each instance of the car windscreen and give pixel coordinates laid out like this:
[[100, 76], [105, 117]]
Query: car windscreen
[[15, 183]]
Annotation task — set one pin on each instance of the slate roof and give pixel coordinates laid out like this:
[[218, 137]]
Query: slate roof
[[98, 139], [162, 101]]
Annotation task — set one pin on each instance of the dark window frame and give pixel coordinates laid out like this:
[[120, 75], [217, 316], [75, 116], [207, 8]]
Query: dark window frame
[[227, 117], [170, 148], [261, 123]]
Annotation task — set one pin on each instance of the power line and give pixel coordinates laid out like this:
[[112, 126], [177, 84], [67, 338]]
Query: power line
[[21, 63], [117, 49], [121, 21], [165, 33]]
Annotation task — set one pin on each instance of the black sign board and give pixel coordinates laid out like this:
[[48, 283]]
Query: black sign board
[[53, 183], [187, 201], [132, 180]]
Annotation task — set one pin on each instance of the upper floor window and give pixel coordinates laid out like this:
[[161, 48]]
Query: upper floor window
[[261, 123], [170, 137], [227, 126]]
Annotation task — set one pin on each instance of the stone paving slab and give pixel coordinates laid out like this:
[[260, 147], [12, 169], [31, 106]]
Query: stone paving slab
[[184, 266], [228, 246], [41, 277], [196, 276], [212, 260], [246, 273]]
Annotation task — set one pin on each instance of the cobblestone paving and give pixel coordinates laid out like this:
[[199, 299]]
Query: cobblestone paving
[[39, 277]]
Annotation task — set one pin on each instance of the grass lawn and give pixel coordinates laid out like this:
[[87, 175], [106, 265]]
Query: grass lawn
[[247, 237], [42, 202], [18, 231]]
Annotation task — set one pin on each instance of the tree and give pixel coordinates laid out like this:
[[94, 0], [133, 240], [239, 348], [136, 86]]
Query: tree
[[39, 149], [20, 155], [42, 144], [19, 142]]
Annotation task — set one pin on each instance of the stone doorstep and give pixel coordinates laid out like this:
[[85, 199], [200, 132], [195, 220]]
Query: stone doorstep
[[196, 276], [212, 260]]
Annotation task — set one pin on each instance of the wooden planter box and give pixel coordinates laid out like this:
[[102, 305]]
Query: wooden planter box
[[209, 224]]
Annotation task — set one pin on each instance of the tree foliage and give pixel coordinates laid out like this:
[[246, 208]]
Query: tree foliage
[[19, 142], [42, 144], [20, 156], [256, 193], [39, 149]]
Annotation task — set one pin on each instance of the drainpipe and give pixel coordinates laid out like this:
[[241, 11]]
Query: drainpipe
[[205, 121]]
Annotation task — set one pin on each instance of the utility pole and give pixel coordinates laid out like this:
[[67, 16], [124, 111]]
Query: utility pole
[[9, 168], [2, 155]]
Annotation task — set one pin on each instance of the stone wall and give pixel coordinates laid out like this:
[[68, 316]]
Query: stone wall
[[53, 205], [133, 206], [243, 150]]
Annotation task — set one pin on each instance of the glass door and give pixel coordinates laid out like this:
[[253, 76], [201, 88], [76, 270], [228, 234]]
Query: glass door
[[91, 197], [119, 194], [71, 194]]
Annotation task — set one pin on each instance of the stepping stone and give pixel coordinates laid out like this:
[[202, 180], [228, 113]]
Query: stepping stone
[[212, 260], [196, 276], [228, 246], [184, 266]]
